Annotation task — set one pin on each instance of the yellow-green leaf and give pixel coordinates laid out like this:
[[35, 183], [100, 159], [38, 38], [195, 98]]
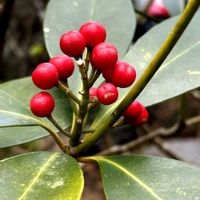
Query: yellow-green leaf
[[41, 175], [148, 178]]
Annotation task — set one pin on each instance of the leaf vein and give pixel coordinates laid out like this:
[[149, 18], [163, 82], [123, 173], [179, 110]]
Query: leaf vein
[[35, 179], [93, 10], [22, 104], [20, 115], [136, 179], [179, 55]]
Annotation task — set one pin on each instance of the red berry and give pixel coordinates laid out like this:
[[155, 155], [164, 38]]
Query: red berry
[[142, 119], [107, 74], [93, 32], [104, 56], [107, 93], [123, 74], [72, 43], [45, 76], [64, 65], [158, 9], [93, 93], [93, 96], [42, 104], [133, 111]]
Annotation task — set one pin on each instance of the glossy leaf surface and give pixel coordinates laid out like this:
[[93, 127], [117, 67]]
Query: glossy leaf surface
[[14, 111], [148, 178], [65, 15], [40, 175], [174, 7]]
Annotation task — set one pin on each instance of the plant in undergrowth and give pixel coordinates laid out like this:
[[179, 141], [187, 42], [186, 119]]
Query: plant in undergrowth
[[86, 74]]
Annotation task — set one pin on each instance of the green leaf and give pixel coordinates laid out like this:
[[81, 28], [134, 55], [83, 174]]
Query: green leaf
[[146, 178], [178, 74], [40, 175], [64, 15], [19, 135], [14, 111], [174, 7]]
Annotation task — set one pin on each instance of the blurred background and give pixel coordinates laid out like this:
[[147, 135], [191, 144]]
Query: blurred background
[[21, 38], [174, 126]]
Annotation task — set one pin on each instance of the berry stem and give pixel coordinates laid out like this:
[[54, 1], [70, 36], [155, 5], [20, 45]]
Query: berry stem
[[93, 70], [95, 76], [87, 60], [169, 43], [86, 131], [56, 137], [120, 122], [68, 91], [55, 123]]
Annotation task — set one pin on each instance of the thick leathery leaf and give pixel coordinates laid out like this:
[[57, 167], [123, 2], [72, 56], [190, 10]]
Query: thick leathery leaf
[[64, 15], [148, 178], [174, 7], [14, 111], [40, 175]]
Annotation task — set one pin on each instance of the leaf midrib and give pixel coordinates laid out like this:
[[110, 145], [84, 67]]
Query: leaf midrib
[[179, 55], [21, 116], [17, 100], [92, 10], [37, 176], [133, 177], [39, 122]]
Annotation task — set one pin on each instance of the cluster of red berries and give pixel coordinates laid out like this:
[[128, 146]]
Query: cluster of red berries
[[103, 58], [46, 76], [136, 114]]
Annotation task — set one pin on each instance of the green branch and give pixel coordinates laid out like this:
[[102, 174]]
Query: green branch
[[79, 120], [95, 76], [68, 92], [149, 72], [56, 137], [55, 123]]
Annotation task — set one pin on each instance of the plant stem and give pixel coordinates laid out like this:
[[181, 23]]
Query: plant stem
[[87, 60], [95, 76], [55, 123], [83, 107], [86, 131], [185, 3], [149, 72], [91, 73], [119, 122], [56, 137], [68, 92]]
